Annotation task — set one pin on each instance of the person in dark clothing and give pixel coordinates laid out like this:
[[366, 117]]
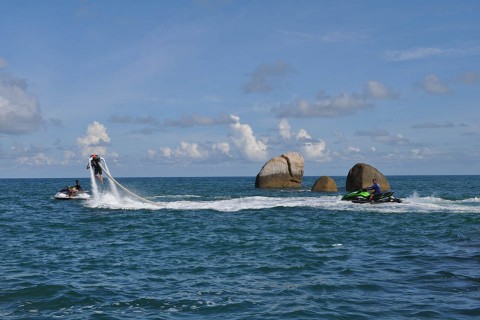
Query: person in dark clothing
[[72, 190], [78, 186], [94, 162], [377, 191]]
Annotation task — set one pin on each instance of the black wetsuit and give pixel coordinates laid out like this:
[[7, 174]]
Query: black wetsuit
[[97, 169]]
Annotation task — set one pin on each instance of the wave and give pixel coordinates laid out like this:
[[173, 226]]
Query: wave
[[413, 203]]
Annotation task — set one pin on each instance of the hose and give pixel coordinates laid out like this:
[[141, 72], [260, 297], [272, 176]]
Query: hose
[[126, 190]]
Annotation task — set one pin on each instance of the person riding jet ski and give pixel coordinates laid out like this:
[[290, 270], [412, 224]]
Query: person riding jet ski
[[95, 162], [377, 191], [72, 192]]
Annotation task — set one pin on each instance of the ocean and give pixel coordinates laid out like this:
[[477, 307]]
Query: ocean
[[218, 248]]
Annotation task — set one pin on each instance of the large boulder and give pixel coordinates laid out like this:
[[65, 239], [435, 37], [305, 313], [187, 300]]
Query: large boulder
[[285, 171], [325, 184], [361, 176]]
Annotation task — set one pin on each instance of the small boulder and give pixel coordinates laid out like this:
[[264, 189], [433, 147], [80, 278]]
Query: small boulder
[[285, 171], [325, 184], [361, 175]]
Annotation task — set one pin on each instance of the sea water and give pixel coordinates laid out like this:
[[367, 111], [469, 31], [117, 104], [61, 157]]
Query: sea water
[[218, 248]]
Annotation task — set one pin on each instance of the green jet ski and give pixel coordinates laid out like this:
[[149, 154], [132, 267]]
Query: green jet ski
[[363, 196]]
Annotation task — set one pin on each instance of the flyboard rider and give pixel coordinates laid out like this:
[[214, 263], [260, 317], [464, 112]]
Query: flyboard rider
[[95, 161]]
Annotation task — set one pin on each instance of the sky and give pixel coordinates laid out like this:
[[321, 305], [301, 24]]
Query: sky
[[218, 88]]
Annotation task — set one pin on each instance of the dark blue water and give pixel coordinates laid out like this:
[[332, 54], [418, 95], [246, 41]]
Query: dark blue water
[[217, 248]]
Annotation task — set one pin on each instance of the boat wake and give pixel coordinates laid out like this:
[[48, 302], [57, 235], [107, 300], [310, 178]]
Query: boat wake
[[111, 198], [325, 203]]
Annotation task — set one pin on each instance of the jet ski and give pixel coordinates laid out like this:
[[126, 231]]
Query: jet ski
[[363, 196], [72, 193]]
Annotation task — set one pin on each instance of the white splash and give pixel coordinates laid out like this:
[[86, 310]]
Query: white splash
[[322, 203]]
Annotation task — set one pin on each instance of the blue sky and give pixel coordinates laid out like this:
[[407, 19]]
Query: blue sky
[[217, 88]]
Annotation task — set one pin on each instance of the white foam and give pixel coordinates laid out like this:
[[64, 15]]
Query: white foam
[[472, 200], [113, 186], [418, 204], [181, 196], [112, 199]]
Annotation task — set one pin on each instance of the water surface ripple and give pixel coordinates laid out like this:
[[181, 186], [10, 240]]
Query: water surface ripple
[[217, 248]]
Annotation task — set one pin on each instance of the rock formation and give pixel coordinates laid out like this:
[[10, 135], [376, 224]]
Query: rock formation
[[285, 171], [325, 184], [360, 176]]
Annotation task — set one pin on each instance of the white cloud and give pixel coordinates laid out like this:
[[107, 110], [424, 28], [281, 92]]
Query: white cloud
[[19, 111], [433, 85], [384, 137], [245, 141], [326, 106], [32, 155], [316, 151], [413, 53], [351, 149], [190, 150], [323, 106], [165, 151], [69, 155], [222, 147], [313, 149], [95, 139], [3, 63], [285, 129], [265, 76], [339, 137], [303, 135], [39, 159], [151, 153], [377, 90], [185, 150], [425, 52], [422, 154], [397, 139]]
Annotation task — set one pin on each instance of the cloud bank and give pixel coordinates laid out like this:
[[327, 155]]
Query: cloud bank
[[323, 106], [243, 143], [326, 106], [185, 150], [19, 110]]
